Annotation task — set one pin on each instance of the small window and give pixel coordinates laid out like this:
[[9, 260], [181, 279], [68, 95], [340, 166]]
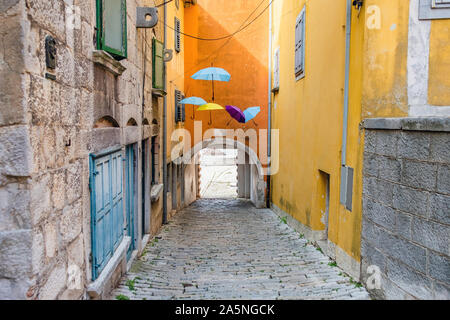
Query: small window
[[434, 9], [177, 28], [155, 160], [112, 27], [300, 45], [276, 70], [158, 64]]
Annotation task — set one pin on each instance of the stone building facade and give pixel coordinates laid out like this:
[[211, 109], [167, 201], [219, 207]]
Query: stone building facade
[[406, 201], [68, 108]]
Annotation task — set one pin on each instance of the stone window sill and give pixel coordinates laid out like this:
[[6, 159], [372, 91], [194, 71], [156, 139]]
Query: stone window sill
[[156, 192], [159, 92], [105, 60]]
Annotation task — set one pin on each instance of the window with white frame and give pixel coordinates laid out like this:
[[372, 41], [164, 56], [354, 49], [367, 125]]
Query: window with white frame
[[276, 70], [300, 45], [434, 9]]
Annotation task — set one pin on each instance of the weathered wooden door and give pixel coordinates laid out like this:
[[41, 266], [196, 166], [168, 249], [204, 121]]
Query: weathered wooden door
[[106, 208], [131, 196]]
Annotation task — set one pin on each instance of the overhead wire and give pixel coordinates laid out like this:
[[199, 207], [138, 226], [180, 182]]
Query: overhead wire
[[242, 27], [223, 37]]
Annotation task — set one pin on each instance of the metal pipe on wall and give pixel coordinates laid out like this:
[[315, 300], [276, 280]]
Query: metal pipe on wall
[[347, 81], [164, 160], [269, 126]]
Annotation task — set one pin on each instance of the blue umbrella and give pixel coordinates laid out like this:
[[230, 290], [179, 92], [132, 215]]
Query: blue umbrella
[[212, 74], [193, 100], [251, 113]]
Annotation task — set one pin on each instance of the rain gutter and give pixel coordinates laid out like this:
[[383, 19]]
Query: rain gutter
[[164, 217], [269, 127], [347, 80], [346, 181]]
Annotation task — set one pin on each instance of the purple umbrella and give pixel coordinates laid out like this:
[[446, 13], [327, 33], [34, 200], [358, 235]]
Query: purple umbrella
[[236, 113]]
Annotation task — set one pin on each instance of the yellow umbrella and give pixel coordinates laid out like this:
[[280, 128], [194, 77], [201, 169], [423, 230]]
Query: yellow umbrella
[[209, 107]]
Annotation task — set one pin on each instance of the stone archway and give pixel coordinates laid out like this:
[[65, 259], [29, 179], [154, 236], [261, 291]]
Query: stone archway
[[252, 170]]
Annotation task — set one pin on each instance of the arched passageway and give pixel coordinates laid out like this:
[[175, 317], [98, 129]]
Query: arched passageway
[[250, 178]]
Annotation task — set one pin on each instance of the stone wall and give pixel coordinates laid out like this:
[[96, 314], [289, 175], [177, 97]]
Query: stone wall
[[406, 207], [16, 163], [48, 129]]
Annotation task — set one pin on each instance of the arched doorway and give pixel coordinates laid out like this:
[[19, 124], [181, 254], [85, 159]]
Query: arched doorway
[[250, 176]]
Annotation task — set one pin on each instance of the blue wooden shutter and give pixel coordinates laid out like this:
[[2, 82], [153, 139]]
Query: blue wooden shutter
[[106, 208]]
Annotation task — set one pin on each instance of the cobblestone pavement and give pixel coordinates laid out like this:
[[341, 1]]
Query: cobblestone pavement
[[227, 249]]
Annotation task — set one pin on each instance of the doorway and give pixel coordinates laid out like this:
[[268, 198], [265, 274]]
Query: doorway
[[146, 180], [218, 173], [131, 197]]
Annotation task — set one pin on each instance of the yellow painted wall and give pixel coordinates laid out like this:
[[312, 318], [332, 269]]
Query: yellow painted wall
[[309, 112], [175, 69]]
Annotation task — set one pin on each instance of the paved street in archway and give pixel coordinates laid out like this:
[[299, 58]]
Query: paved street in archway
[[227, 249]]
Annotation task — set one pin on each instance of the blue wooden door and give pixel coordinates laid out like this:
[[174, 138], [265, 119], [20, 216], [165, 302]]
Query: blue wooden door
[[106, 208], [131, 208]]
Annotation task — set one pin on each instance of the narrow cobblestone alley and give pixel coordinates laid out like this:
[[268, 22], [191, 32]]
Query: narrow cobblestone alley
[[227, 249]]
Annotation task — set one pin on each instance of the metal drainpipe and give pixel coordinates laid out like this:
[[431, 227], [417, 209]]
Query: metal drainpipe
[[269, 129], [346, 90], [165, 125]]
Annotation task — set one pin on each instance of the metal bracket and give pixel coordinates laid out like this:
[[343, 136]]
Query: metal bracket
[[168, 55], [142, 13]]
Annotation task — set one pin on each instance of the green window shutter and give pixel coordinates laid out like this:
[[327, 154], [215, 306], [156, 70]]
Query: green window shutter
[[112, 27], [158, 64], [177, 27]]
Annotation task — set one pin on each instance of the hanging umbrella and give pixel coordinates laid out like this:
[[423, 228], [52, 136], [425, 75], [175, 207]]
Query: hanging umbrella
[[210, 107], [236, 113], [196, 101], [217, 74], [193, 100], [251, 113]]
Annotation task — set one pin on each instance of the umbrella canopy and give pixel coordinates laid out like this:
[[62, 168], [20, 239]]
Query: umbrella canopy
[[210, 106], [217, 74], [236, 113], [250, 113], [193, 100]]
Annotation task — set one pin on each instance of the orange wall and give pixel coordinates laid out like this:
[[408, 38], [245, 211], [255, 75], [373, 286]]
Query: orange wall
[[245, 57]]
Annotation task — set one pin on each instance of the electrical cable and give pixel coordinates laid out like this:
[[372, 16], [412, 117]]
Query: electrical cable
[[160, 5], [229, 38], [223, 37]]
